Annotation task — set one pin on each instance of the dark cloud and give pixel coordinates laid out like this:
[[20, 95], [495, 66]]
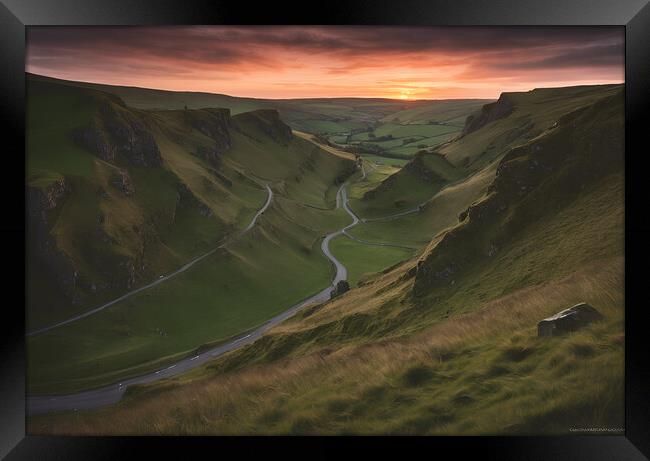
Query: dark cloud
[[233, 44], [592, 56], [145, 43]]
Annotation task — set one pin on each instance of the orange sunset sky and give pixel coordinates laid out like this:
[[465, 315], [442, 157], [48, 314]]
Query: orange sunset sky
[[328, 61]]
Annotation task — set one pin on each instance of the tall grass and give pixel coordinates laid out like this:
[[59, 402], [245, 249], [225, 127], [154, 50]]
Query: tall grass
[[482, 372]]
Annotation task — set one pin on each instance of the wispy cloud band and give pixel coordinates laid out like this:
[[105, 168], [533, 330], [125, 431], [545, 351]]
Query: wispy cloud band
[[274, 61]]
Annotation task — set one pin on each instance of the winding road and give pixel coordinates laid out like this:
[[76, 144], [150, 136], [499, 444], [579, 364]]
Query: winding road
[[110, 394], [159, 280]]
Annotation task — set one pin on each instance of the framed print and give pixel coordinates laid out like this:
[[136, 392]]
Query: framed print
[[369, 219]]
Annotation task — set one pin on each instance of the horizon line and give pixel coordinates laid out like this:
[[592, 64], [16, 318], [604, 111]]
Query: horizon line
[[315, 97]]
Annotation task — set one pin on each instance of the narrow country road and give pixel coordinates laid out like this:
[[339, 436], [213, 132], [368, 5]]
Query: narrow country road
[[95, 398], [159, 280]]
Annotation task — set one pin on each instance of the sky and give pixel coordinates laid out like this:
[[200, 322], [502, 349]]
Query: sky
[[331, 61]]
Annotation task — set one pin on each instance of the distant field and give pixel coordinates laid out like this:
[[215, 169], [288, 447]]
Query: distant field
[[451, 111], [398, 139], [402, 131], [405, 132]]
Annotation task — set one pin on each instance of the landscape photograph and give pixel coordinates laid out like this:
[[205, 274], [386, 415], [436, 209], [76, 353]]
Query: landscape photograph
[[325, 230]]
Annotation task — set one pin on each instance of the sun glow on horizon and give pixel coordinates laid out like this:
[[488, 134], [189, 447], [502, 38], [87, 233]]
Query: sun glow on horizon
[[278, 62], [405, 94]]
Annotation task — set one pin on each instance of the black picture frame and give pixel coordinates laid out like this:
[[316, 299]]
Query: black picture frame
[[634, 15]]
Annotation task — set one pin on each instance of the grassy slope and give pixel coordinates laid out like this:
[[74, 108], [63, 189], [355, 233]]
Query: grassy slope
[[407, 188], [480, 369], [333, 150], [534, 112], [247, 285], [49, 149], [225, 294], [148, 221], [334, 117], [375, 175], [250, 281], [151, 99], [438, 214], [461, 357], [362, 261], [303, 114]]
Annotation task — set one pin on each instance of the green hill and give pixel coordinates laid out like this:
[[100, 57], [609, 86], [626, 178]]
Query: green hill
[[117, 199], [119, 196], [439, 211], [348, 122], [405, 189], [445, 342], [515, 119]]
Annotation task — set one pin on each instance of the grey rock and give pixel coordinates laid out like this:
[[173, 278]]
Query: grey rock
[[215, 124], [488, 113], [571, 319], [115, 129], [340, 288], [42, 246]]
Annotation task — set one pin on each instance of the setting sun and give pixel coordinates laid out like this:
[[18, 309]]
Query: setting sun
[[405, 94]]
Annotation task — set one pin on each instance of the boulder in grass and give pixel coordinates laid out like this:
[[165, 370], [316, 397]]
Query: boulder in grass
[[571, 319], [339, 289]]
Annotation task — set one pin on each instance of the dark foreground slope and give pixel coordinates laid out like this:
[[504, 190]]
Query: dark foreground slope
[[445, 343]]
